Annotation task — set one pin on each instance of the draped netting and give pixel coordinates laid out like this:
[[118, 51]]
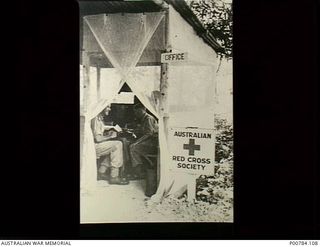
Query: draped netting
[[119, 40], [123, 39]]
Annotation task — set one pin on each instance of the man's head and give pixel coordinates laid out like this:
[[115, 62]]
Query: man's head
[[139, 110], [106, 111]]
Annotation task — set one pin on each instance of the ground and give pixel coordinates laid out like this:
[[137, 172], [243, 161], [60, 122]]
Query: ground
[[117, 203]]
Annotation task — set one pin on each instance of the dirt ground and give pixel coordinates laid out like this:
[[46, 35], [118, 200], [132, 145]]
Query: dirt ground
[[116, 203]]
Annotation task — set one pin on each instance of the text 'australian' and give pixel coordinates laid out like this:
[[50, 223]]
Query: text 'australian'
[[192, 134]]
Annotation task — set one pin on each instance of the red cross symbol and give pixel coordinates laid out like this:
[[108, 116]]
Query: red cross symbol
[[191, 147]]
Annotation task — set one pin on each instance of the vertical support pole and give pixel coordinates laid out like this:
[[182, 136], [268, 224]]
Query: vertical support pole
[[86, 66], [85, 89], [86, 80], [82, 119], [164, 72], [86, 83], [98, 82], [192, 188], [163, 105], [164, 91], [86, 101]]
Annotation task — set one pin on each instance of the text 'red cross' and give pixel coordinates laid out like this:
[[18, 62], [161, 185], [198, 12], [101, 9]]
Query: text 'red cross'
[[191, 147]]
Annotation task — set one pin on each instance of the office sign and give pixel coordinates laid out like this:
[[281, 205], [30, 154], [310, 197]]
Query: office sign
[[174, 57]]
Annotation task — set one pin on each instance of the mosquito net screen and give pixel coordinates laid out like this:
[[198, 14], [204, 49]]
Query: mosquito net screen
[[124, 37]]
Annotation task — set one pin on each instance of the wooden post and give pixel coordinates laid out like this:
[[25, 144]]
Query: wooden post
[[98, 82], [164, 91], [192, 188], [163, 105], [86, 80], [86, 83]]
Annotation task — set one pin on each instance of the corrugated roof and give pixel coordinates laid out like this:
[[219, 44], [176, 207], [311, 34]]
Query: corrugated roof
[[97, 7], [125, 6]]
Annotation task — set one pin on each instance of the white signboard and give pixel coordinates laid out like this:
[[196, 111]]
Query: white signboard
[[192, 150], [174, 57]]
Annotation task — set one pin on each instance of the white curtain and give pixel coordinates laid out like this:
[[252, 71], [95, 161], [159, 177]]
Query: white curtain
[[145, 83], [122, 38]]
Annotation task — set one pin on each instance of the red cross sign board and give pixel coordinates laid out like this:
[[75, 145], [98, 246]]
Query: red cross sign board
[[192, 150]]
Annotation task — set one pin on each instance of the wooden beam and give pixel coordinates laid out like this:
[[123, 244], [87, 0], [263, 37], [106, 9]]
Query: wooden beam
[[99, 59]]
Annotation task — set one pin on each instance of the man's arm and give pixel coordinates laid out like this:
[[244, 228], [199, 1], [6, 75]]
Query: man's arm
[[98, 130], [101, 138], [142, 138], [111, 127], [108, 127], [150, 126]]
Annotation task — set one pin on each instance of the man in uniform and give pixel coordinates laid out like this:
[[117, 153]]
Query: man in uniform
[[146, 144], [105, 146]]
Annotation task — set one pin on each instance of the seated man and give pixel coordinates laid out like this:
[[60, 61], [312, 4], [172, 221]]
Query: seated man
[[105, 146], [147, 143]]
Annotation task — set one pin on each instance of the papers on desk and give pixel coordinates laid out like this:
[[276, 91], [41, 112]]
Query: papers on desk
[[117, 128]]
